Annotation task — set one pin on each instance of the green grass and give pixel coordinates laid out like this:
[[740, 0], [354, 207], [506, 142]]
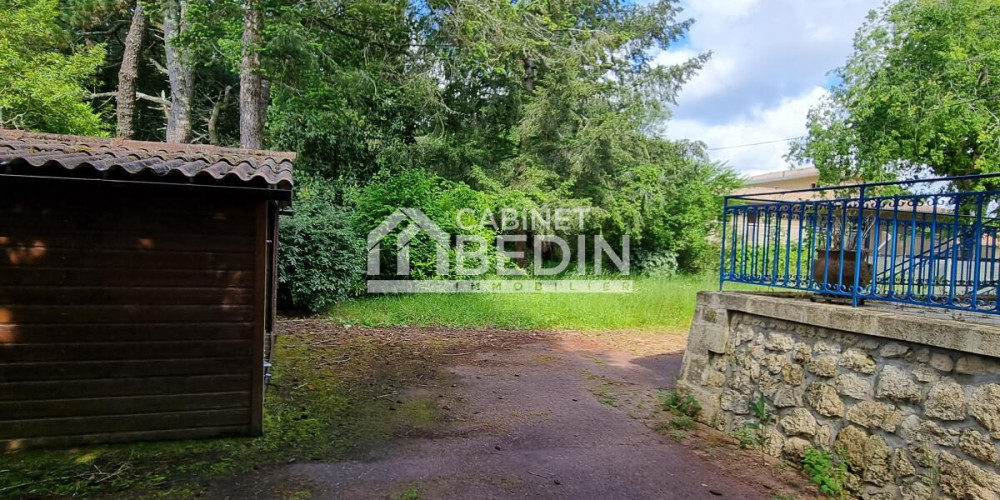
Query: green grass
[[655, 303]]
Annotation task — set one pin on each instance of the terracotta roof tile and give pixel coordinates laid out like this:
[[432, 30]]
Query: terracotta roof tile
[[195, 163]]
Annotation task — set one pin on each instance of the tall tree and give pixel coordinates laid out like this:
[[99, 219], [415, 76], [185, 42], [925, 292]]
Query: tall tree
[[253, 102], [918, 96], [43, 81], [127, 74], [180, 70]]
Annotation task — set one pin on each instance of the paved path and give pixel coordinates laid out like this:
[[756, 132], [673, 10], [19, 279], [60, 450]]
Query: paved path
[[528, 423]]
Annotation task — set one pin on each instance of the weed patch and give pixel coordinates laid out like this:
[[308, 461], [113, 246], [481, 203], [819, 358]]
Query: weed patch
[[683, 423], [684, 405], [827, 471]]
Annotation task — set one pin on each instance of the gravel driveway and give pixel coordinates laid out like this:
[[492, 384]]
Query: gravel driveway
[[564, 416]]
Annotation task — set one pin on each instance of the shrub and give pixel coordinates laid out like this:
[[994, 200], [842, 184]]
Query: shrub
[[827, 470], [657, 264], [321, 258], [682, 405], [439, 199]]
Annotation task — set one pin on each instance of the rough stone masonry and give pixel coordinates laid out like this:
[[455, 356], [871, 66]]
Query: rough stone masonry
[[910, 399]]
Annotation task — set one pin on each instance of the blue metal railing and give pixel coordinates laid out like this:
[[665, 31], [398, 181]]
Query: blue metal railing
[[918, 242]]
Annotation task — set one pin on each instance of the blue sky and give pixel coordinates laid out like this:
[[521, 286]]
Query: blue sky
[[769, 66]]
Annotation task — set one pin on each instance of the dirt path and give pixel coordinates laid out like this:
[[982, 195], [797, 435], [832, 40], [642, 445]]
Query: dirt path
[[564, 417]]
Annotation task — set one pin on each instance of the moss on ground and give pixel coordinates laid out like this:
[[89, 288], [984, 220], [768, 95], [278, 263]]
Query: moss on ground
[[330, 398]]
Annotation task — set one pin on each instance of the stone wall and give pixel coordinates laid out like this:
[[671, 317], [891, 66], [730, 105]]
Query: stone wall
[[912, 401]]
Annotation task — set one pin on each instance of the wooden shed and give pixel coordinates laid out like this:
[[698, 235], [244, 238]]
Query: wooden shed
[[137, 285]]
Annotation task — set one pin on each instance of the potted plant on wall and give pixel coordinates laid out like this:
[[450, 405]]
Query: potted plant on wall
[[835, 236]]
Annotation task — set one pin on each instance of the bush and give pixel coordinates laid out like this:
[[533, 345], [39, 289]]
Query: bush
[[439, 199], [657, 264], [682, 405], [321, 258], [827, 470]]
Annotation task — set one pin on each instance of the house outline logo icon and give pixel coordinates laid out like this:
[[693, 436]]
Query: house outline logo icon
[[418, 221]]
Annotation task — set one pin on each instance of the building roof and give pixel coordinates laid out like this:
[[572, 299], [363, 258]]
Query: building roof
[[769, 194], [781, 175], [31, 153]]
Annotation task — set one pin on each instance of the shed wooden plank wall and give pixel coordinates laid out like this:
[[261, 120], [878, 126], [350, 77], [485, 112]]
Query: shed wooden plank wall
[[128, 316]]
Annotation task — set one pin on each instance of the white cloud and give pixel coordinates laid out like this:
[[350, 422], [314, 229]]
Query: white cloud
[[785, 120], [770, 59]]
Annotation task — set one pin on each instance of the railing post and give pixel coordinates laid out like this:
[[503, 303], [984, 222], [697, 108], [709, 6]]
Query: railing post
[[722, 250], [858, 253], [976, 263]]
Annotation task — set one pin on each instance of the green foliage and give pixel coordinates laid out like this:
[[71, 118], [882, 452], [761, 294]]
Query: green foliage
[[760, 411], [758, 260], [916, 97], [439, 106], [745, 437], [43, 78], [656, 306], [322, 258], [439, 199], [684, 405], [827, 470], [657, 264], [756, 433], [501, 104], [670, 203], [410, 494]]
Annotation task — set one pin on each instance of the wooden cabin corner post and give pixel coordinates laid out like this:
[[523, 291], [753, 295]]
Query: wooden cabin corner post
[[261, 265]]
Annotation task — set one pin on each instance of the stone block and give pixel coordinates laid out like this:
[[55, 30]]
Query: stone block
[[894, 383], [893, 350], [858, 360], [709, 399], [792, 374], [978, 446], [801, 353], [941, 361], [985, 408], [976, 365], [901, 464], [799, 422], [795, 448], [867, 453], [788, 396], [823, 366], [824, 399], [963, 479], [853, 386], [945, 401], [874, 414], [736, 402], [924, 373], [710, 337], [779, 342]]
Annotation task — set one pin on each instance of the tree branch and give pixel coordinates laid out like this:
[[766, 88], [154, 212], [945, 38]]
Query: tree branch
[[152, 98], [162, 101], [159, 67]]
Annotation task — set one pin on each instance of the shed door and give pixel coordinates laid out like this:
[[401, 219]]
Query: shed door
[[124, 316]]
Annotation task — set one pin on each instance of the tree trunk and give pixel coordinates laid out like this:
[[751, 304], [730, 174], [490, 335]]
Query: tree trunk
[[265, 99], [213, 120], [125, 100], [529, 86], [251, 90], [529, 73], [180, 71]]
